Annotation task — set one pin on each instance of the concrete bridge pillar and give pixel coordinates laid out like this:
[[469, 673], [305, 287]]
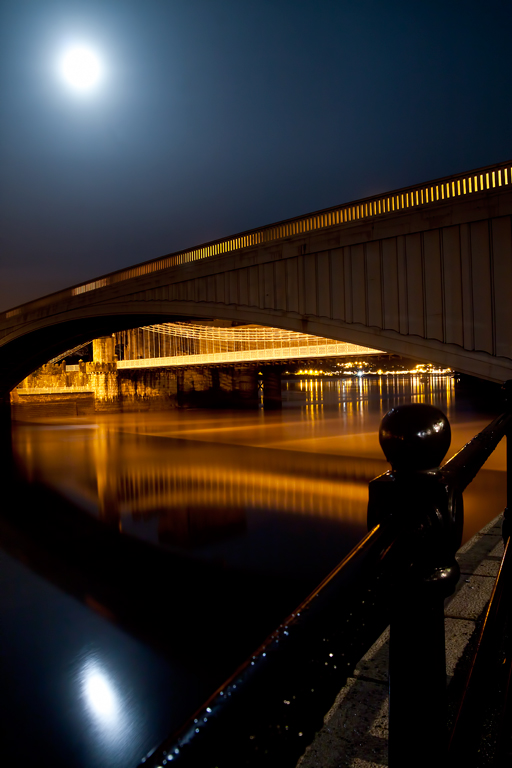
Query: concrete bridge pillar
[[245, 381], [272, 398], [6, 457], [5, 413]]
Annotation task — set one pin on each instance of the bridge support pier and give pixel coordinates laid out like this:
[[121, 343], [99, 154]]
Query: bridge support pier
[[6, 458], [272, 397], [5, 413], [245, 386], [111, 388]]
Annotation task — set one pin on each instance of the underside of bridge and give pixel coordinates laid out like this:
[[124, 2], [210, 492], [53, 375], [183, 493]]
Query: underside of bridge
[[212, 364], [27, 353], [30, 351]]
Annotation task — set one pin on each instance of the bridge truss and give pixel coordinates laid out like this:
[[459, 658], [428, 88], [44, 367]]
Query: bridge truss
[[180, 344]]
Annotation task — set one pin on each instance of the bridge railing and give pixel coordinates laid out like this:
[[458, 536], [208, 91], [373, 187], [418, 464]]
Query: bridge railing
[[194, 344], [252, 355], [436, 192], [399, 574]]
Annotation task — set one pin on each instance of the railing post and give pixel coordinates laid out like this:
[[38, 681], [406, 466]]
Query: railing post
[[417, 680], [507, 512], [413, 497]]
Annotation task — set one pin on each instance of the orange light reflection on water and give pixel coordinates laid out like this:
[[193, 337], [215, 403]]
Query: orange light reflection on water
[[200, 471]]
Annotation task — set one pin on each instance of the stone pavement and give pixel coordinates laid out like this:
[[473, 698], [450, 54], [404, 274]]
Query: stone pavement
[[355, 730]]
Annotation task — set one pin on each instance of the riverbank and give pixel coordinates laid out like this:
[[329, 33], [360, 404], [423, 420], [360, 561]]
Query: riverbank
[[355, 731]]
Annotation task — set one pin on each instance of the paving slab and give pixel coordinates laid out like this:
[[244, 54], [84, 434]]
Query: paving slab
[[355, 731], [374, 664], [477, 550], [488, 568], [458, 633], [471, 598]]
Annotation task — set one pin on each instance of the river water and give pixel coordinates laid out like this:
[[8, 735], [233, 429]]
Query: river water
[[106, 651]]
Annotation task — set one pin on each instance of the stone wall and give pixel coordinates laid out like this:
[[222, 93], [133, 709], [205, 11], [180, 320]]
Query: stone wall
[[103, 349], [98, 378], [62, 405], [101, 383], [227, 387], [51, 375], [143, 388]]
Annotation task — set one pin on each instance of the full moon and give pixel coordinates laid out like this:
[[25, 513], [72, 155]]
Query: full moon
[[81, 68]]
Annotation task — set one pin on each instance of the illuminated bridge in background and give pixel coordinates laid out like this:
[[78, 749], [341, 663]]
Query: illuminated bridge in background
[[424, 272], [184, 344]]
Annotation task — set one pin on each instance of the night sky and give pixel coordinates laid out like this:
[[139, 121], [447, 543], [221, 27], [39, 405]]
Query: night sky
[[217, 116]]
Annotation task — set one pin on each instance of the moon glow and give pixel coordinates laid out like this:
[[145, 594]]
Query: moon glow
[[81, 68]]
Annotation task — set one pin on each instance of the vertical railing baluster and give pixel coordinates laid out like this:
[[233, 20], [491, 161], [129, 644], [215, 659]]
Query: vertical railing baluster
[[417, 680], [414, 499], [507, 512]]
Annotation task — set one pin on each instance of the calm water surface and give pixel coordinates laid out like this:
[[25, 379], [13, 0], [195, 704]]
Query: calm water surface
[[264, 503]]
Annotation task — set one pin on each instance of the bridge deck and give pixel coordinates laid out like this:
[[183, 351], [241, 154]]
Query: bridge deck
[[415, 197], [424, 272]]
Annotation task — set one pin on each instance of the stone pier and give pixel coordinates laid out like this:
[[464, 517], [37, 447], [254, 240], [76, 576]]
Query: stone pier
[[69, 390], [272, 397]]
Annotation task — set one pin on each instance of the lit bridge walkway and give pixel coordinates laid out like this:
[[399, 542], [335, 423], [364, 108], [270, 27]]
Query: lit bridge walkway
[[424, 272], [184, 344]]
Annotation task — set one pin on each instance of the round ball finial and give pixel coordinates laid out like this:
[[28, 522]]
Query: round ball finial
[[415, 436]]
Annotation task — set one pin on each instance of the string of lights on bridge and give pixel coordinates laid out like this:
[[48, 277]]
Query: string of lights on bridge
[[420, 195], [179, 343], [430, 193]]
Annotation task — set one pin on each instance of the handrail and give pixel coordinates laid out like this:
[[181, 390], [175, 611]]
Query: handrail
[[415, 439], [430, 193], [271, 707], [463, 741], [462, 468], [265, 713]]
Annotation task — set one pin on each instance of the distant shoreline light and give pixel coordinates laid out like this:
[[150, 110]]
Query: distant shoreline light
[[360, 373]]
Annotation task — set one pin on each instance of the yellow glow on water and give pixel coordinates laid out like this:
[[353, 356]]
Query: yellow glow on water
[[200, 489]]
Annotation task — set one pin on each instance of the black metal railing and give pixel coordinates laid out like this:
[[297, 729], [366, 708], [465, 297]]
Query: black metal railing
[[415, 439], [271, 707]]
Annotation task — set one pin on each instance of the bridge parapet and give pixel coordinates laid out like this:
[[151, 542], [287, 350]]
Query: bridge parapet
[[424, 272], [432, 193]]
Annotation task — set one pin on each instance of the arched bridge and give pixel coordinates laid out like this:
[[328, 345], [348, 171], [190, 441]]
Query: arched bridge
[[424, 272]]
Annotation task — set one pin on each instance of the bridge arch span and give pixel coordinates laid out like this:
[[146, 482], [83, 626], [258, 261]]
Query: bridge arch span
[[30, 346], [424, 272]]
